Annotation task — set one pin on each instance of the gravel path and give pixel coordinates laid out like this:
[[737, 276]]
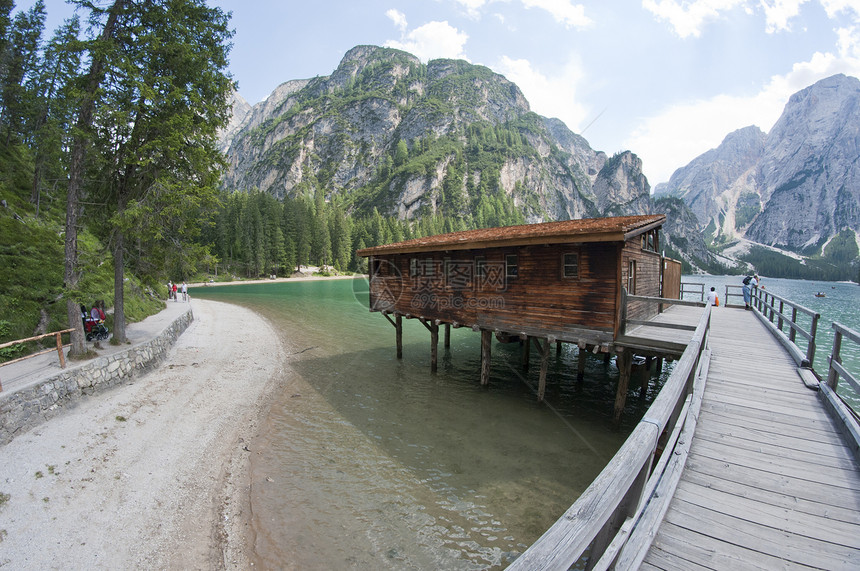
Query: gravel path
[[152, 474]]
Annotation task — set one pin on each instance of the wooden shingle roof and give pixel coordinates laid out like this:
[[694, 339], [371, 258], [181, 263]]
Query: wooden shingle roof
[[613, 229]]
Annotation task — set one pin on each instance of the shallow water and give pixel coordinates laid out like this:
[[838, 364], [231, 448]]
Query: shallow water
[[368, 461]]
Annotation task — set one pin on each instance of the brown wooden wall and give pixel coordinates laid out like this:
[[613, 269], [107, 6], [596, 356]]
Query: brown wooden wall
[[539, 301], [648, 276]]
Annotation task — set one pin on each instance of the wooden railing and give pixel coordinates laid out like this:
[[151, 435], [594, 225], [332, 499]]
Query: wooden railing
[[837, 371], [58, 349], [611, 517], [695, 289], [773, 309]]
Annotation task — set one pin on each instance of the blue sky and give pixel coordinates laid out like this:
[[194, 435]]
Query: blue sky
[[666, 79]]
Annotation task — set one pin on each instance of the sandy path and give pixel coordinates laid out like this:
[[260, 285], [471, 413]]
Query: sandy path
[[151, 474]]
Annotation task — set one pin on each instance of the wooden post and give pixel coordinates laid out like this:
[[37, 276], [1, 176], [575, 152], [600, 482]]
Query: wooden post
[[544, 365], [624, 360], [580, 364], [558, 348], [434, 346], [447, 336], [646, 378], [835, 357], [526, 352], [59, 351], [398, 328], [658, 367], [607, 358], [813, 331], [486, 345], [792, 331]]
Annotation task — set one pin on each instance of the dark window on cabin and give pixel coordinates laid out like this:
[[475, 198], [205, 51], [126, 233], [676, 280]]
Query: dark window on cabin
[[413, 267], [570, 265], [511, 268], [631, 277], [429, 268], [375, 266], [649, 241]]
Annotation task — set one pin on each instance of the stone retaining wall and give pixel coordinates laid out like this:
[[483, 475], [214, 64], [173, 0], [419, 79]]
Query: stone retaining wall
[[26, 408]]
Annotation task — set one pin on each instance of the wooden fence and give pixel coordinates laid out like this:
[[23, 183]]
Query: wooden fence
[[58, 349], [773, 309], [612, 517], [693, 289]]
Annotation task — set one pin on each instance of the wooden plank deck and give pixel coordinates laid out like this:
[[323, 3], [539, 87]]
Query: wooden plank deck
[[769, 483], [658, 336]]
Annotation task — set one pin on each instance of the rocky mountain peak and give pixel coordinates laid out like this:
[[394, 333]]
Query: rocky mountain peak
[[796, 188]]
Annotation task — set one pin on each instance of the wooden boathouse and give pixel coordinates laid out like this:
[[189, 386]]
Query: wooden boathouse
[[571, 281]]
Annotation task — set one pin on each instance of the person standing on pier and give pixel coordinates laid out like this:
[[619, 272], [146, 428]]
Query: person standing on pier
[[749, 283]]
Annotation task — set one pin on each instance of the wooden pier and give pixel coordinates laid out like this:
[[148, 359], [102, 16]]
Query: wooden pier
[[746, 460], [769, 482]]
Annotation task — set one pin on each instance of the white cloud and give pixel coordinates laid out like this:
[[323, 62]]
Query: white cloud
[[549, 96], [564, 11], [686, 17], [779, 12], [433, 40], [399, 19], [472, 7], [679, 134], [832, 7]]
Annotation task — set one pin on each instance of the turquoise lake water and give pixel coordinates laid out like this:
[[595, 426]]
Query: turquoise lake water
[[367, 461]]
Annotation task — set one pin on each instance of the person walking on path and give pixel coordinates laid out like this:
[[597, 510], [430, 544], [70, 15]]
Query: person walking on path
[[749, 283], [169, 290], [175, 297], [184, 291]]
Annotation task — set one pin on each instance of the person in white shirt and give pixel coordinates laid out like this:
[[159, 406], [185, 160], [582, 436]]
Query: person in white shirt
[[712, 297]]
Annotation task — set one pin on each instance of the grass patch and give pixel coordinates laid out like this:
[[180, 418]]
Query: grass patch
[[120, 418]]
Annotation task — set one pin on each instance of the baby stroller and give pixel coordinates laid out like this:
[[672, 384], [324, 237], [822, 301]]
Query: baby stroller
[[95, 329]]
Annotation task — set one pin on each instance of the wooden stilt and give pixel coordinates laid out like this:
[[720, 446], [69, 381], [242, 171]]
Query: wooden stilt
[[607, 358], [624, 360], [486, 346], [526, 352], [558, 348], [434, 346], [580, 364], [646, 378], [398, 328], [447, 336], [658, 368], [544, 365]]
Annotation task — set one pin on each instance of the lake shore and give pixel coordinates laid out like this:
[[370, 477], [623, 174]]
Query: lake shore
[[303, 278], [154, 473]]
